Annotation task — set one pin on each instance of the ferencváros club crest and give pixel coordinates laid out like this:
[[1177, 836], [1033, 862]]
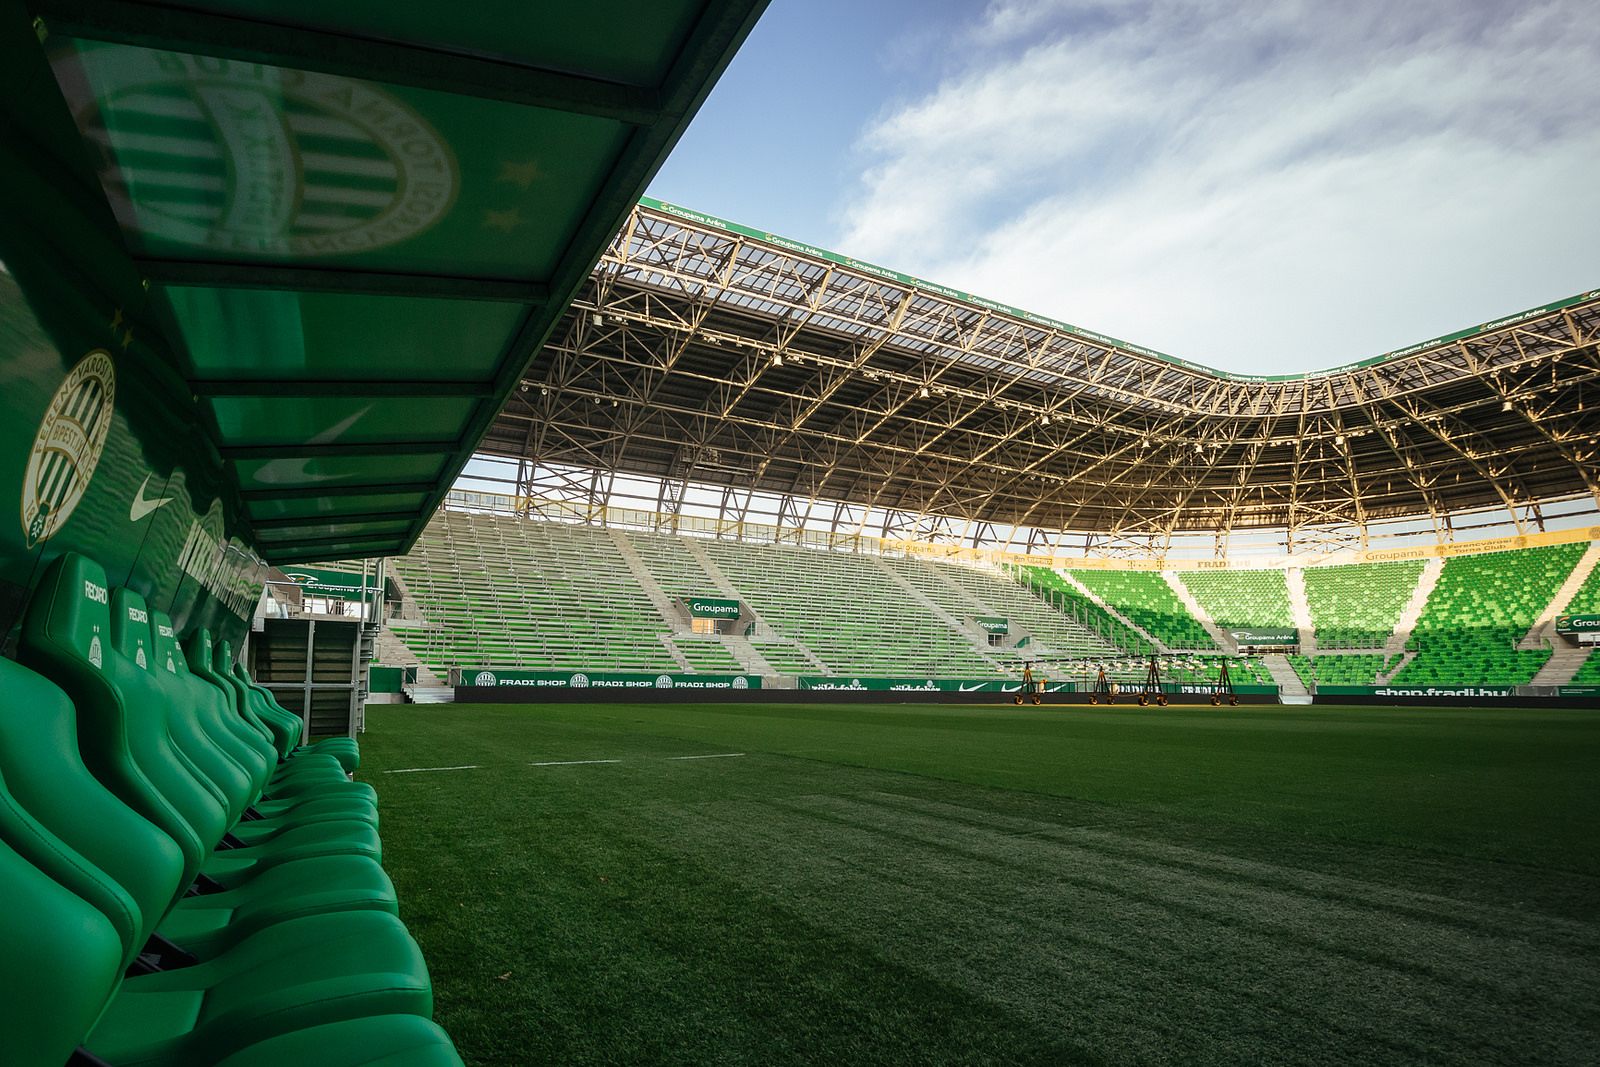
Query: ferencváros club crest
[[67, 448], [241, 157], [483, 678]]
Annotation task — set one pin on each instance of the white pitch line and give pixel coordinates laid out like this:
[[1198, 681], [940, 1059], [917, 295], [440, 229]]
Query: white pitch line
[[718, 755], [419, 770], [573, 762]]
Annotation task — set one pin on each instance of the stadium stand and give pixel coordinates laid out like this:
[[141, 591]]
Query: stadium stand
[[1149, 602], [1356, 669], [1062, 595], [506, 592], [848, 611], [1241, 598], [1483, 605], [189, 884], [1357, 605], [672, 565], [971, 590]]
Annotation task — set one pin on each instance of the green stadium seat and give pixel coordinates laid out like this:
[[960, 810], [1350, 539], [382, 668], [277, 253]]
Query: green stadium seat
[[86, 880]]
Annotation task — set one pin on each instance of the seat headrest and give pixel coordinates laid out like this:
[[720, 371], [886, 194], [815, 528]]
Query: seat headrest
[[222, 660], [77, 602], [169, 656], [198, 650], [130, 627]]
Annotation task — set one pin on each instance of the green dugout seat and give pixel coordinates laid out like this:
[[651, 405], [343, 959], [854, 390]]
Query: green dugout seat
[[304, 792], [383, 1041], [40, 757], [66, 955], [260, 699], [143, 747], [213, 662]]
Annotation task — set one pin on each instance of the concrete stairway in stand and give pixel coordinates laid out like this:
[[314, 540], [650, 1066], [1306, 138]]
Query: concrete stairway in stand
[[1222, 637], [1290, 688], [1413, 609], [964, 628], [652, 588], [1095, 599], [1388, 676], [1564, 663], [1543, 632], [1295, 579]]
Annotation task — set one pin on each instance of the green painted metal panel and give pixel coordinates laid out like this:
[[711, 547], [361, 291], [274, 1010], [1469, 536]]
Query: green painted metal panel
[[216, 159], [363, 470], [249, 420], [231, 333], [321, 581], [319, 531], [1414, 690], [314, 507], [632, 42], [925, 685], [385, 679], [1266, 635]]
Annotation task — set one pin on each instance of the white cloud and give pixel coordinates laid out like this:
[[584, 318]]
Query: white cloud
[[1281, 190]]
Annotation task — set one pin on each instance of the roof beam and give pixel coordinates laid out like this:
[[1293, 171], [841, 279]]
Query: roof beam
[[206, 275], [304, 48], [336, 450], [312, 521], [366, 387], [317, 492]]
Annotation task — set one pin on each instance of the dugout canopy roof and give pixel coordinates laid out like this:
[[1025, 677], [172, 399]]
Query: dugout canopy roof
[[701, 351], [356, 220]]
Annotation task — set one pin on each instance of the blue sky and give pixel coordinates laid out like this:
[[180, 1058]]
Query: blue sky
[[1263, 188]]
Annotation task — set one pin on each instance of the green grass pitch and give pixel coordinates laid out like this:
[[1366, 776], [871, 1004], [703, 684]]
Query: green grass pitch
[[924, 884]]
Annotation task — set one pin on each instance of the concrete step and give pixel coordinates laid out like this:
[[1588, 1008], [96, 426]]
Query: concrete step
[[1563, 664], [1413, 609], [1283, 674], [1222, 637], [1295, 579], [1543, 632]]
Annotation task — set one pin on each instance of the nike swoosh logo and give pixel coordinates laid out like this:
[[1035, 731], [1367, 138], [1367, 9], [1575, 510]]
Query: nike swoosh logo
[[969, 688], [1013, 689], [142, 505]]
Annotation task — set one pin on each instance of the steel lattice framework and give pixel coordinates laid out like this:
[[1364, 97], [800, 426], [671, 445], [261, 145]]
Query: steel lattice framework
[[702, 353]]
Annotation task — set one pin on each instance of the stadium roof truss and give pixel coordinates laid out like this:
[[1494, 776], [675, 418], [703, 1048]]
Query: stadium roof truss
[[703, 352]]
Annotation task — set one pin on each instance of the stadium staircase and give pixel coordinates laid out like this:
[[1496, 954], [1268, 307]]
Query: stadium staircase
[[652, 588], [1052, 632], [1357, 606], [1291, 689], [854, 618], [1406, 622], [1240, 599], [682, 569], [1543, 632], [1110, 610], [1580, 594], [1220, 637], [1294, 580], [938, 598], [1147, 600]]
